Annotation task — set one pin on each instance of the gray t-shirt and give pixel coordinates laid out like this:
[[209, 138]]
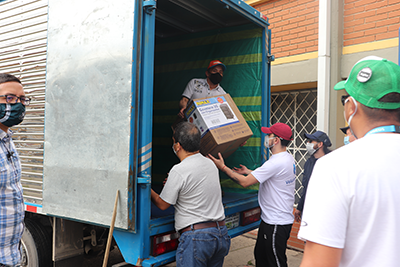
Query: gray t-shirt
[[193, 188], [199, 88]]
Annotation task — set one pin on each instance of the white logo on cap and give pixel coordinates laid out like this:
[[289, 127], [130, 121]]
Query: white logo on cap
[[364, 75]]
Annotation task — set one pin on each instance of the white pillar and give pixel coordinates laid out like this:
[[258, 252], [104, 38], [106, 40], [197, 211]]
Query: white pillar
[[324, 62]]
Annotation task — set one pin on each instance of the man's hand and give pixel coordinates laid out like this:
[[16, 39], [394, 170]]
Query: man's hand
[[165, 180], [181, 114], [242, 170], [218, 162], [297, 215], [182, 105]]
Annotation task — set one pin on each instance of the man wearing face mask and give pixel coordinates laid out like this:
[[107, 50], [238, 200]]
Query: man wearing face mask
[[193, 188], [349, 137], [351, 214], [277, 178], [12, 112], [317, 146], [200, 88]]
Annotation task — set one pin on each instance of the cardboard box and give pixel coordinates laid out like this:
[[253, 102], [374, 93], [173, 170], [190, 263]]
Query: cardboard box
[[223, 128]]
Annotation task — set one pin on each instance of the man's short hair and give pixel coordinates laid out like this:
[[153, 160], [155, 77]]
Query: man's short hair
[[5, 77], [377, 114], [284, 142], [188, 136]]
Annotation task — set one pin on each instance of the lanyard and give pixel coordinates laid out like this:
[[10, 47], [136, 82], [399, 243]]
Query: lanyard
[[385, 129]]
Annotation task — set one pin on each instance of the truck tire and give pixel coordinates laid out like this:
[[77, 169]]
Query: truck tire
[[35, 245]]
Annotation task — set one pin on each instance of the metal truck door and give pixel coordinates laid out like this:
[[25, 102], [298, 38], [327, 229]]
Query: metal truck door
[[88, 111]]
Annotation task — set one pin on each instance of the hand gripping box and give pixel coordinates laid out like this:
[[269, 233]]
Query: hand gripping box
[[223, 128]]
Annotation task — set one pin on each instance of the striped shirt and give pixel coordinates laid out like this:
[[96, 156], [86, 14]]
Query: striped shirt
[[11, 201]]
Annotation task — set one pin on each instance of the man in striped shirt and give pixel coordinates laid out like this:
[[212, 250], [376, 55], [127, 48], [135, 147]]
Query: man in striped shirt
[[12, 112]]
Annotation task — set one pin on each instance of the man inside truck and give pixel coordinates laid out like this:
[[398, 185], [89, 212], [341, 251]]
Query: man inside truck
[[200, 88], [195, 193], [12, 112], [277, 178]]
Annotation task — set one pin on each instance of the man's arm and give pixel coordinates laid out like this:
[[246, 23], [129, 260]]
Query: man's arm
[[182, 106], [317, 255], [158, 201], [244, 181], [183, 102]]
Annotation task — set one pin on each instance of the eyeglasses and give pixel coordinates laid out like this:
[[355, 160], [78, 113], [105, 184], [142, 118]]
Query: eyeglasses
[[12, 99], [343, 99]]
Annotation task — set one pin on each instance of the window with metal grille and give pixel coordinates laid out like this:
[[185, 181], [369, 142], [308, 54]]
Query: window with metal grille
[[298, 109]]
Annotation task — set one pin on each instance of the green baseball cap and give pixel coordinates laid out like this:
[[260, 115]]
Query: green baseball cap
[[370, 79]]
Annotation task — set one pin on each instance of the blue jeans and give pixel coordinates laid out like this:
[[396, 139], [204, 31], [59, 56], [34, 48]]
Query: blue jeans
[[203, 247]]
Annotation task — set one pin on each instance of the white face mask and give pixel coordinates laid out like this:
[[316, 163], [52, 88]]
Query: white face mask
[[174, 148], [352, 115], [310, 149], [266, 142]]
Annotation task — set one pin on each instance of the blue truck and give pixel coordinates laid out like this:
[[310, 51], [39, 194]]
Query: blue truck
[[106, 78]]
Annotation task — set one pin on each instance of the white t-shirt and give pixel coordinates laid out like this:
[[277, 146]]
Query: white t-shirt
[[353, 202], [194, 189], [199, 88], [277, 178]]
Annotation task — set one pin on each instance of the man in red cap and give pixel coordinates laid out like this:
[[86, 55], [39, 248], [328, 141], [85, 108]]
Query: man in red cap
[[277, 178], [200, 88]]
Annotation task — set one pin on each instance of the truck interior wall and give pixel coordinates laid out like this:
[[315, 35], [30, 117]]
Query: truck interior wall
[[178, 60]]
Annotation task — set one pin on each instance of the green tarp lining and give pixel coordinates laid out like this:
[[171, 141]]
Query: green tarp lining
[[180, 59]]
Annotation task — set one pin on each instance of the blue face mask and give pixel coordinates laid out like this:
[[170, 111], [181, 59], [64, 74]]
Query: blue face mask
[[11, 114], [346, 140]]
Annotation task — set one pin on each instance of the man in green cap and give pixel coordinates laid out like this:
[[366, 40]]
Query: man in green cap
[[351, 213]]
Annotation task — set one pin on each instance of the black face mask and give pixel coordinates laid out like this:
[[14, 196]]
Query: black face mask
[[11, 114], [215, 78]]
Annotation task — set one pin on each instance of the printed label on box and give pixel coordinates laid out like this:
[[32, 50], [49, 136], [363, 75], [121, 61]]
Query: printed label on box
[[211, 113]]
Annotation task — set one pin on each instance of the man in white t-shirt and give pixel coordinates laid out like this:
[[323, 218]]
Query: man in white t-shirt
[[277, 178], [200, 88], [351, 214], [193, 188]]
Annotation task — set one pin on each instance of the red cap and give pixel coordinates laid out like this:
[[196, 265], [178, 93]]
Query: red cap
[[216, 63], [279, 129]]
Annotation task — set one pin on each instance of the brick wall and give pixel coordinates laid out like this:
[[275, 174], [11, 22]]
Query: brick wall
[[293, 242], [370, 20], [294, 26]]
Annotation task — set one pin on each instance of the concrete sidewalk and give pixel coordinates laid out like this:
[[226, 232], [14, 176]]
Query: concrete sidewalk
[[241, 252]]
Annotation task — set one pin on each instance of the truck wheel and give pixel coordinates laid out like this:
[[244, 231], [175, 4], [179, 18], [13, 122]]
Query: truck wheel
[[35, 245]]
